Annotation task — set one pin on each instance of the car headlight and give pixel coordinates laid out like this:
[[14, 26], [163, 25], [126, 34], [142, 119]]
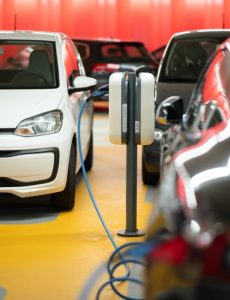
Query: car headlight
[[46, 123]]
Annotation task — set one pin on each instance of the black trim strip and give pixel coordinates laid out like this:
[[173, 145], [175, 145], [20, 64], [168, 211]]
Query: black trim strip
[[124, 109], [6, 130], [7, 182], [138, 111]]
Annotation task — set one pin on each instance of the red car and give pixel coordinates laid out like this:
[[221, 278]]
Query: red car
[[191, 258]]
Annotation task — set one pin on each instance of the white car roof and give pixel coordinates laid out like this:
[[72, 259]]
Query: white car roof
[[31, 35]]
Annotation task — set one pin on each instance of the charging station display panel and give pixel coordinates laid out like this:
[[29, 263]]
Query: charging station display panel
[[144, 109], [118, 110]]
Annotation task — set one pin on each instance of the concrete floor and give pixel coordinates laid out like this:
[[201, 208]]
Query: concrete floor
[[50, 256]]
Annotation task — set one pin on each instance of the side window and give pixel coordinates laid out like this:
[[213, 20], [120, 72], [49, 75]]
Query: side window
[[208, 105], [83, 49], [204, 116], [224, 72], [194, 113], [80, 64], [70, 61], [211, 115]]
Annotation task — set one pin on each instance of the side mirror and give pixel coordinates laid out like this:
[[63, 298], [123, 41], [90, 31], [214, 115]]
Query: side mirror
[[170, 111], [82, 83]]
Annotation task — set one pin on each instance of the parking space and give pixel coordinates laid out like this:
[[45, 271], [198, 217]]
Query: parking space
[[49, 255]]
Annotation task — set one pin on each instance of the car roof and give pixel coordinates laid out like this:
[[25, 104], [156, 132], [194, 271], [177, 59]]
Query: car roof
[[104, 40], [31, 35], [212, 33], [99, 39]]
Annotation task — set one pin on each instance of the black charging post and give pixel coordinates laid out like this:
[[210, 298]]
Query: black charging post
[[131, 166]]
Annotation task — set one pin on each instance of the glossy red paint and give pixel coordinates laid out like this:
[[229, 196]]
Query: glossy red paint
[[173, 251]]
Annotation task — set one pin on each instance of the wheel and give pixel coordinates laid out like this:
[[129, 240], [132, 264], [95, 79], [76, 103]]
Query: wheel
[[89, 157], [149, 178], [65, 199]]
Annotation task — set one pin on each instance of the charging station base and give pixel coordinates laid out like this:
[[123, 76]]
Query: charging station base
[[130, 233]]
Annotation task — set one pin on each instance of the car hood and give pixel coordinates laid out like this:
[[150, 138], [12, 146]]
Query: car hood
[[17, 105]]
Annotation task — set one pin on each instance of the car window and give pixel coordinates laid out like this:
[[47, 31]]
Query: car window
[[132, 51], [212, 115], [123, 52], [112, 50], [185, 59], [208, 103], [83, 49], [70, 61], [224, 72], [193, 114], [26, 64], [80, 63], [203, 116]]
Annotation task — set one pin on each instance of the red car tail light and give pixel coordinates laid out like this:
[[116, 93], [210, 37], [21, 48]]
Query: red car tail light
[[107, 68]]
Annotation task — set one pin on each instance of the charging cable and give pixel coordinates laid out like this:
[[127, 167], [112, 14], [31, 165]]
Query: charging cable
[[84, 171], [137, 245]]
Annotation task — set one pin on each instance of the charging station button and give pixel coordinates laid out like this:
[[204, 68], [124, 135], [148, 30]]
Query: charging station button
[[137, 126]]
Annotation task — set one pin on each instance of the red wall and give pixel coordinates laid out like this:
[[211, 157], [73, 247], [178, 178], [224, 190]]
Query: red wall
[[150, 21]]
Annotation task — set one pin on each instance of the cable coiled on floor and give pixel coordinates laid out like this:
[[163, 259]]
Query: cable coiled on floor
[[112, 266]]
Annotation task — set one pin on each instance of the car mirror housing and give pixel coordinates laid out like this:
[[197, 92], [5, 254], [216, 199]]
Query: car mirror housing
[[170, 111], [82, 83]]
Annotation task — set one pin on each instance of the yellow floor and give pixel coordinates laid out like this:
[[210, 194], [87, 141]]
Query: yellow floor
[[50, 256]]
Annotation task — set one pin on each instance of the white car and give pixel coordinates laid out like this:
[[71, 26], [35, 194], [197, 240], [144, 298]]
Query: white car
[[42, 87]]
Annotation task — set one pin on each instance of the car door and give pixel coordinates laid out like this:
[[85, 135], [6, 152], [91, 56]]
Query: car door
[[209, 107], [74, 67]]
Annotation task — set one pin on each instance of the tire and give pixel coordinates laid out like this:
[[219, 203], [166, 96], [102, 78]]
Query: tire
[[65, 200], [149, 178], [89, 157]]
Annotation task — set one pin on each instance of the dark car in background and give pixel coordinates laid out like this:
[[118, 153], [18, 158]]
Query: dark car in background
[[193, 196], [102, 57], [183, 60], [157, 55]]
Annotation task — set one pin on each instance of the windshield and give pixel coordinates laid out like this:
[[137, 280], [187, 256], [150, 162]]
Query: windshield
[[124, 52], [186, 59], [27, 64]]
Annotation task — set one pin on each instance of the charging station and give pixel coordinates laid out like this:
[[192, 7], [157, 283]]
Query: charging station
[[131, 122], [118, 108]]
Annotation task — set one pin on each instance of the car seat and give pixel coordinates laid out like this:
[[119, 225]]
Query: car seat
[[39, 72], [39, 63]]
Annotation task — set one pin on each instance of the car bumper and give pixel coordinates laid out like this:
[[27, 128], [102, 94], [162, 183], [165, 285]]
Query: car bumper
[[27, 170]]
